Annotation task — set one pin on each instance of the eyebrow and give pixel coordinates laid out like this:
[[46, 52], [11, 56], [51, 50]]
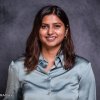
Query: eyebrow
[[53, 23]]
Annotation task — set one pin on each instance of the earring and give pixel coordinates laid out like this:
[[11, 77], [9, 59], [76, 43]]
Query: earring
[[66, 34], [65, 37]]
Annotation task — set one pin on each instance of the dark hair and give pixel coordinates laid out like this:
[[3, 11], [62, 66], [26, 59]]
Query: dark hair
[[33, 45]]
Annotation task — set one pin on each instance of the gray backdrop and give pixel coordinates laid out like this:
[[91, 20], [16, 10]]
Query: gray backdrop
[[16, 18]]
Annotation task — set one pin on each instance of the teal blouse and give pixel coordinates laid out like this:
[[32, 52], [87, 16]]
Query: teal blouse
[[57, 84]]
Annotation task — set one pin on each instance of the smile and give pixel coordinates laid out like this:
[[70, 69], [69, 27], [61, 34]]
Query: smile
[[51, 38]]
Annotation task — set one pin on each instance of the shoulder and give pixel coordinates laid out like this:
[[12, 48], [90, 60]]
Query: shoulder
[[81, 60], [17, 66], [83, 65], [18, 63]]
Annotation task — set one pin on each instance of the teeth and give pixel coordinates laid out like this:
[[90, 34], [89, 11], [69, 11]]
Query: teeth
[[50, 38]]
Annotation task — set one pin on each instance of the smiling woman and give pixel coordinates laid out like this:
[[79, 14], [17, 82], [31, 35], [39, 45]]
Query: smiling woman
[[50, 69], [52, 31], [51, 34]]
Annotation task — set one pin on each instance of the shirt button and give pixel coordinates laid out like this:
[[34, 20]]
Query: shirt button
[[49, 78], [49, 91]]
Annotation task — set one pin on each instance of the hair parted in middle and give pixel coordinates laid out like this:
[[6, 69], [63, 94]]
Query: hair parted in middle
[[33, 44]]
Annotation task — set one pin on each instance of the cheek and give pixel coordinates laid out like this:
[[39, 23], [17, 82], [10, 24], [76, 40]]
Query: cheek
[[42, 36], [42, 33], [61, 34], [61, 37]]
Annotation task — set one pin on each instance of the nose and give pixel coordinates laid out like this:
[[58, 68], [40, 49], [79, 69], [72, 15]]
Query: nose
[[50, 31]]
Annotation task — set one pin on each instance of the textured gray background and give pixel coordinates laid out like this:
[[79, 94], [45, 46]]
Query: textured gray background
[[16, 18]]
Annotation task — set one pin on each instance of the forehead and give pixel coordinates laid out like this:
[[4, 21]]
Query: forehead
[[52, 18]]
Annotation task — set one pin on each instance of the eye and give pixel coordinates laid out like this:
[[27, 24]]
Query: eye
[[57, 26], [44, 26]]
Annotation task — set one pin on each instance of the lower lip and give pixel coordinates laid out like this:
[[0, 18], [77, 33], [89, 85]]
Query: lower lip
[[51, 39]]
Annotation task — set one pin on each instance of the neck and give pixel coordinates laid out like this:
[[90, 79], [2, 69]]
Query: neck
[[50, 53]]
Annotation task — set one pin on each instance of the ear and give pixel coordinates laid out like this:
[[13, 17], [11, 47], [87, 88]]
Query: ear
[[66, 32]]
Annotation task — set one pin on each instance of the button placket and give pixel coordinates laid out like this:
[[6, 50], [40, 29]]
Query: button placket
[[49, 86]]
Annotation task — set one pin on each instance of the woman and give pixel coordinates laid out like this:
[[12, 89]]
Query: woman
[[50, 69]]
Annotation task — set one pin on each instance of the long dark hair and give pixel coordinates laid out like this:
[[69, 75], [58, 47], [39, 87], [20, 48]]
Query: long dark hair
[[33, 45]]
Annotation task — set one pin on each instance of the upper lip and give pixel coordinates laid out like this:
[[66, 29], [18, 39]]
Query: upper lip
[[50, 36]]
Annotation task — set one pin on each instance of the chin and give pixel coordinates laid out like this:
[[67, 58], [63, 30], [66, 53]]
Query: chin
[[52, 45]]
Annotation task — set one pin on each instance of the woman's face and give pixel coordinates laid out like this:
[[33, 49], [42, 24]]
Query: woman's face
[[52, 31]]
